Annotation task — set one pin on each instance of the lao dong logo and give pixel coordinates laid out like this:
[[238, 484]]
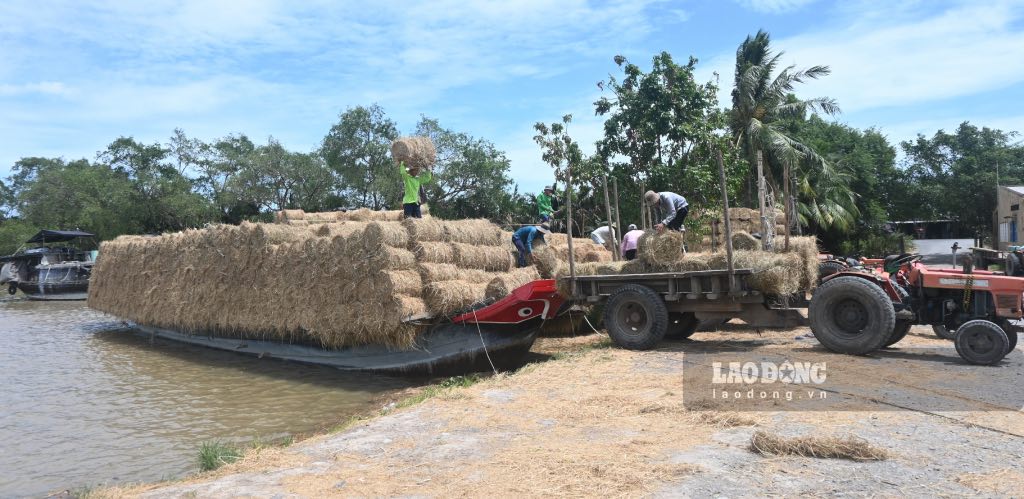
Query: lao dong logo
[[790, 373]]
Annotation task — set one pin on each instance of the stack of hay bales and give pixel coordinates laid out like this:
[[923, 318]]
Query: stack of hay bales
[[300, 218], [743, 220], [333, 285], [780, 272]]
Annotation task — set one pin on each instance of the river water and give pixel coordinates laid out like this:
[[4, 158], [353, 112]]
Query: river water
[[84, 401]]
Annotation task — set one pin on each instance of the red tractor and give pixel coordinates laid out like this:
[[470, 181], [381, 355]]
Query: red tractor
[[856, 312]]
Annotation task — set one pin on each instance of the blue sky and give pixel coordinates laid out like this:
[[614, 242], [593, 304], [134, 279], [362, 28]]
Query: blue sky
[[75, 75]]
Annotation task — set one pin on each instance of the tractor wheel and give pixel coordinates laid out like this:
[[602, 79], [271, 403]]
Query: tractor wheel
[[981, 342], [1011, 334], [898, 333], [12, 288], [851, 315], [681, 325], [635, 317], [828, 268], [943, 332]]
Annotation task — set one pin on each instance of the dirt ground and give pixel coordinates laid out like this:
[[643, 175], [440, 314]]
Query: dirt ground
[[600, 420]]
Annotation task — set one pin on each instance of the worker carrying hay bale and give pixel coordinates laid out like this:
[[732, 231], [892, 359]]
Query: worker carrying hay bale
[[414, 156], [523, 239]]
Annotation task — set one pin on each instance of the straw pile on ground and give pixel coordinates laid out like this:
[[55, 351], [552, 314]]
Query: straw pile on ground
[[334, 284], [415, 152]]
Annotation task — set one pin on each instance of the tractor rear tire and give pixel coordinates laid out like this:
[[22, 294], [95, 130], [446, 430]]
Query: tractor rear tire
[[898, 333], [681, 325], [1011, 334], [943, 332], [981, 342], [828, 268], [635, 317], [851, 315]]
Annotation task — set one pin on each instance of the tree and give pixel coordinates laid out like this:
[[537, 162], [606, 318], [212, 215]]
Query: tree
[[762, 105], [955, 175], [565, 157], [358, 150], [470, 176]]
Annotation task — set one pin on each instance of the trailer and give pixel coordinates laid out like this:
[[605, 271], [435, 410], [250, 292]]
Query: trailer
[[642, 309]]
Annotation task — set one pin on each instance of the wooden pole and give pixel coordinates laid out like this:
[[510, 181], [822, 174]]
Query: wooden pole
[[761, 202], [611, 228], [643, 207], [725, 217], [568, 216], [618, 214], [785, 180]]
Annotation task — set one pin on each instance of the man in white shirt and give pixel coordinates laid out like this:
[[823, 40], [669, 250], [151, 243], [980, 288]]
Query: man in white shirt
[[672, 205]]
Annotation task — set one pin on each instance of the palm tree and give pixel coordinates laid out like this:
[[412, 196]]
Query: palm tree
[[762, 104]]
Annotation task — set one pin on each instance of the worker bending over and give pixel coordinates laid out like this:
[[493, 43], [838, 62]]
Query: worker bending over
[[523, 241], [670, 204], [604, 236], [629, 242], [413, 179]]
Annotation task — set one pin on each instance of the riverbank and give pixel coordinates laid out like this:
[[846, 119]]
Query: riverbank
[[615, 422]]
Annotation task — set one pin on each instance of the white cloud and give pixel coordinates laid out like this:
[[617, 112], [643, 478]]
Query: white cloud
[[42, 87], [774, 6]]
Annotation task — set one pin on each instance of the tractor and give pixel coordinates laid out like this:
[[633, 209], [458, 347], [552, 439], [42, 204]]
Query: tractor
[[858, 311]]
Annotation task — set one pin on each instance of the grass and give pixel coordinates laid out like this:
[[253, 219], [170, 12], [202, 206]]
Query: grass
[[438, 389], [213, 455]]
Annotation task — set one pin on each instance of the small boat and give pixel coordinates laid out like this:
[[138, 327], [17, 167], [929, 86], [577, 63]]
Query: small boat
[[57, 267]]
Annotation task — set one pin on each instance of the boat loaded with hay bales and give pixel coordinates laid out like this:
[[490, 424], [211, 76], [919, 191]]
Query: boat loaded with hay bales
[[374, 293]]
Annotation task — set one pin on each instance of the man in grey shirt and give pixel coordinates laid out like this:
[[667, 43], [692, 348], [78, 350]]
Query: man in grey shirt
[[672, 205]]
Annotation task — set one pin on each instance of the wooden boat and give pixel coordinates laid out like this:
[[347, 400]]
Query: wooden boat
[[56, 268]]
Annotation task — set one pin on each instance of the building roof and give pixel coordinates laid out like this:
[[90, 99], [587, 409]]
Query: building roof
[[1017, 189]]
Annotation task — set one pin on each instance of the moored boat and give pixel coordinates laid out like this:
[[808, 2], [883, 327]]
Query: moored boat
[[56, 267]]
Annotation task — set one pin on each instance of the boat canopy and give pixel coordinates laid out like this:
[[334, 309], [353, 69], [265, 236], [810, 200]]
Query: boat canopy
[[56, 236]]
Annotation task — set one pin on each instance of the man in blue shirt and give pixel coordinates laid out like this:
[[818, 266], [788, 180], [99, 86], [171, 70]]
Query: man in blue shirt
[[670, 204], [523, 240]]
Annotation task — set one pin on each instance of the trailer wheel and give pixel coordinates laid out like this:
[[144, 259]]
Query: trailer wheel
[[635, 317], [851, 315], [898, 333], [981, 342], [681, 325], [943, 332]]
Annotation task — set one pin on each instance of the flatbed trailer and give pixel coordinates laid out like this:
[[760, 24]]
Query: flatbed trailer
[[642, 309]]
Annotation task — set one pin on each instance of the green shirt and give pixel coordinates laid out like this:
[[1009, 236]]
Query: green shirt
[[544, 204], [412, 184]]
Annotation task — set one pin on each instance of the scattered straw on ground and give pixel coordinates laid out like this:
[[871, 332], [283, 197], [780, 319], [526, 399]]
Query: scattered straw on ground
[[832, 447]]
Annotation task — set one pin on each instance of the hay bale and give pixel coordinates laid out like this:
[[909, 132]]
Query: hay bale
[[547, 262], [807, 248], [660, 249], [502, 285], [379, 234], [447, 297], [415, 152], [831, 447], [399, 282], [423, 229], [489, 258], [471, 231], [431, 272], [434, 252], [287, 215], [744, 241], [298, 223]]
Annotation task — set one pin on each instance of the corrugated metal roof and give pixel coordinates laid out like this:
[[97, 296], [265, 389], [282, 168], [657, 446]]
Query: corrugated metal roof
[[1019, 189]]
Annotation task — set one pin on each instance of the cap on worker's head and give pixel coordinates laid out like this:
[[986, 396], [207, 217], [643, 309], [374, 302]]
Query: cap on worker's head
[[549, 188], [632, 226], [652, 198], [545, 228]]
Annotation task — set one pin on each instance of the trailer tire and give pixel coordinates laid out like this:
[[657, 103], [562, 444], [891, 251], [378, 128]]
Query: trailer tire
[[681, 325], [981, 342], [898, 333], [851, 315], [635, 317], [943, 332]]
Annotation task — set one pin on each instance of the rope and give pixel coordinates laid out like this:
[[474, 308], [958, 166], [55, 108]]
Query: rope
[[481, 334]]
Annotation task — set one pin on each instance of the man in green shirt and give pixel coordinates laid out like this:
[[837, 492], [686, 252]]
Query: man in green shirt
[[413, 179], [547, 203]]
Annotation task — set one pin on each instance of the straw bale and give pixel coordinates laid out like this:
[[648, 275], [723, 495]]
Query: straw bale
[[399, 282], [415, 152], [341, 229], [471, 231], [780, 229], [744, 241], [322, 216], [287, 215], [489, 258], [807, 248], [505, 283], [434, 252], [392, 258], [597, 256], [448, 297], [298, 223], [547, 262], [656, 249], [424, 229], [432, 272], [379, 234]]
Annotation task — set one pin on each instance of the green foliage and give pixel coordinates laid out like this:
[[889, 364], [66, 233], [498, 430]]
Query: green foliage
[[358, 150], [213, 455], [13, 233], [953, 175]]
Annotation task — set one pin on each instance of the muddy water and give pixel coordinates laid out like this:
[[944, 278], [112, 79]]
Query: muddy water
[[84, 401]]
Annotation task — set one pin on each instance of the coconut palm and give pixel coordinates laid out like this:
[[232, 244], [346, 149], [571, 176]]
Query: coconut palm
[[763, 105]]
